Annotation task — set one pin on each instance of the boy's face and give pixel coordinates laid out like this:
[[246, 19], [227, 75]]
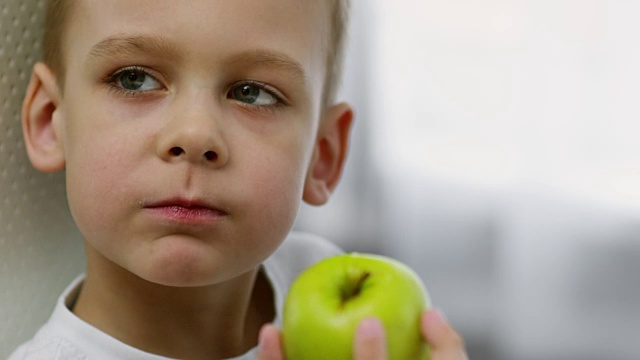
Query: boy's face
[[188, 129]]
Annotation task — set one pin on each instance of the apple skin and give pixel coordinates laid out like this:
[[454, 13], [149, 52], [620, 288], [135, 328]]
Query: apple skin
[[327, 302]]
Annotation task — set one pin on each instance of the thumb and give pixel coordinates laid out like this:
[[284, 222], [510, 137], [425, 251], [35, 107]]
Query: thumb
[[370, 341], [445, 342], [269, 347]]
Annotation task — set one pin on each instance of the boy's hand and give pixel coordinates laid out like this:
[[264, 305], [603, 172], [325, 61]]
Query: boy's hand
[[445, 342], [269, 344]]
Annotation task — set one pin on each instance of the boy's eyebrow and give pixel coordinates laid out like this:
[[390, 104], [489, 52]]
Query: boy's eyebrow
[[126, 45], [271, 59], [136, 44]]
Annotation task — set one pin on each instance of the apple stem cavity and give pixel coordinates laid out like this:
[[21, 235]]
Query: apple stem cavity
[[353, 287]]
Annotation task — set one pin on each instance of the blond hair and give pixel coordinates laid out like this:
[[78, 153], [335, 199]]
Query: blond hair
[[55, 26], [337, 48], [58, 13]]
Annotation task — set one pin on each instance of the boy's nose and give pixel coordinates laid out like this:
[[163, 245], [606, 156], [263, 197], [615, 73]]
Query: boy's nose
[[195, 146], [177, 151], [195, 137]]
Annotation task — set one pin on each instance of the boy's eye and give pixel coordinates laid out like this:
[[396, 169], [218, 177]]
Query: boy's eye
[[253, 94], [135, 79]]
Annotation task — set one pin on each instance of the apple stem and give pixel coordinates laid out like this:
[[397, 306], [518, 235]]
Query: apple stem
[[353, 288]]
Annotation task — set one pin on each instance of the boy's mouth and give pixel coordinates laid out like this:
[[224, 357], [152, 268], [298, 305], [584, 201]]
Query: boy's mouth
[[185, 211]]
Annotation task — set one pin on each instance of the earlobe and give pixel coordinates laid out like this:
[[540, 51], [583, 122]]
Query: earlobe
[[40, 120], [332, 145]]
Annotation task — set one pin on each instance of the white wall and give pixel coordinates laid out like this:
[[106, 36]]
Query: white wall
[[500, 91]]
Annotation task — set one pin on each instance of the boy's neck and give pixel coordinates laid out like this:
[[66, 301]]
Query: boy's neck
[[220, 321]]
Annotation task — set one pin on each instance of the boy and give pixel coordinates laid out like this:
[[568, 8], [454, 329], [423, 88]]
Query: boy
[[189, 132]]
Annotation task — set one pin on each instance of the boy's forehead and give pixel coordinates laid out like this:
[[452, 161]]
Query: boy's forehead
[[266, 8], [247, 18], [295, 28]]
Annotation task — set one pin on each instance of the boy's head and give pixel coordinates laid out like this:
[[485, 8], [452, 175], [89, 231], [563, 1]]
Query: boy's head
[[59, 14], [189, 130]]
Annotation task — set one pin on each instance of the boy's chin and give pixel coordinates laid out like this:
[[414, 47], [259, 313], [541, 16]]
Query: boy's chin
[[185, 266], [181, 273]]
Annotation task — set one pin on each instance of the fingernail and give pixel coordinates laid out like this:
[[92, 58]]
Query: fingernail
[[371, 328], [439, 316], [261, 340]]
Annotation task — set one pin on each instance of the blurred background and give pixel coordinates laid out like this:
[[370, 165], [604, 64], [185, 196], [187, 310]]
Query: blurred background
[[495, 151]]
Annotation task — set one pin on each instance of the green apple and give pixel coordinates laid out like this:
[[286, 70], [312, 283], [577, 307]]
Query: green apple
[[327, 302]]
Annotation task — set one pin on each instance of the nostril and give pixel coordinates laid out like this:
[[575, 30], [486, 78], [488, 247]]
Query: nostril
[[176, 151], [211, 155]]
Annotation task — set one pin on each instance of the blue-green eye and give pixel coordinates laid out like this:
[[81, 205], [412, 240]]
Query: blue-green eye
[[253, 94], [136, 80]]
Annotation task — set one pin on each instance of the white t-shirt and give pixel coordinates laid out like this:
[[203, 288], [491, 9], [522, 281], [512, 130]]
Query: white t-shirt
[[67, 337]]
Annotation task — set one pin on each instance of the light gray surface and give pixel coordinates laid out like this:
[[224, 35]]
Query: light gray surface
[[39, 247]]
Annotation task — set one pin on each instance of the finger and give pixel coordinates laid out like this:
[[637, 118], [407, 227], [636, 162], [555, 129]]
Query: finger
[[445, 342], [370, 341], [269, 347]]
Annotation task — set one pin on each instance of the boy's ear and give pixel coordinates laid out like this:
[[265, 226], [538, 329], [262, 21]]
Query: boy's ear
[[41, 120], [327, 163]]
